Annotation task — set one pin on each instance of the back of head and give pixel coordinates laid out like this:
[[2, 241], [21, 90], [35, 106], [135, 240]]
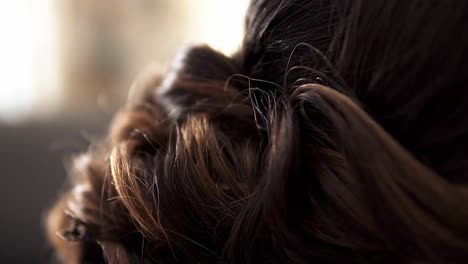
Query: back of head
[[404, 61], [335, 135]]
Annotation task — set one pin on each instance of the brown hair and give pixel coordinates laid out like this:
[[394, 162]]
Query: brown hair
[[271, 156]]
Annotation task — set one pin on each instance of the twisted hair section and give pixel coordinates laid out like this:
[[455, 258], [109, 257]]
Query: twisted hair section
[[262, 158]]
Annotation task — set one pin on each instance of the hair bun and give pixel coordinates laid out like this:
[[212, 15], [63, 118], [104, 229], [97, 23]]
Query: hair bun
[[201, 62]]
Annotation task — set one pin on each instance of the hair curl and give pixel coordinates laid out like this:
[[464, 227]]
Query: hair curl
[[270, 157]]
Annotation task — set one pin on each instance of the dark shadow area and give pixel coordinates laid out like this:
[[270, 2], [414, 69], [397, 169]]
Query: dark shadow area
[[33, 158]]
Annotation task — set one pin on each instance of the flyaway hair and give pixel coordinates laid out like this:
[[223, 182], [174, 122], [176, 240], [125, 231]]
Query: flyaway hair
[[336, 134]]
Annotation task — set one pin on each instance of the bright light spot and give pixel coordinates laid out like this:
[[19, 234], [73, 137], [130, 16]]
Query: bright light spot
[[29, 70], [27, 58], [220, 23]]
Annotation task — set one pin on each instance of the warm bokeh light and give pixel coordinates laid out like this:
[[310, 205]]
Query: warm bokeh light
[[36, 40], [219, 23], [28, 63]]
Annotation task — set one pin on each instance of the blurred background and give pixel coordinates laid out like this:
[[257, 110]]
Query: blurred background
[[65, 67]]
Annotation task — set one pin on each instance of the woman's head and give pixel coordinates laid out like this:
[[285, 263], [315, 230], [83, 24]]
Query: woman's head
[[321, 140], [403, 60]]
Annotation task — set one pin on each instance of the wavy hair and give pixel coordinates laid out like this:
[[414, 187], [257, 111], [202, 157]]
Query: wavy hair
[[335, 135]]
